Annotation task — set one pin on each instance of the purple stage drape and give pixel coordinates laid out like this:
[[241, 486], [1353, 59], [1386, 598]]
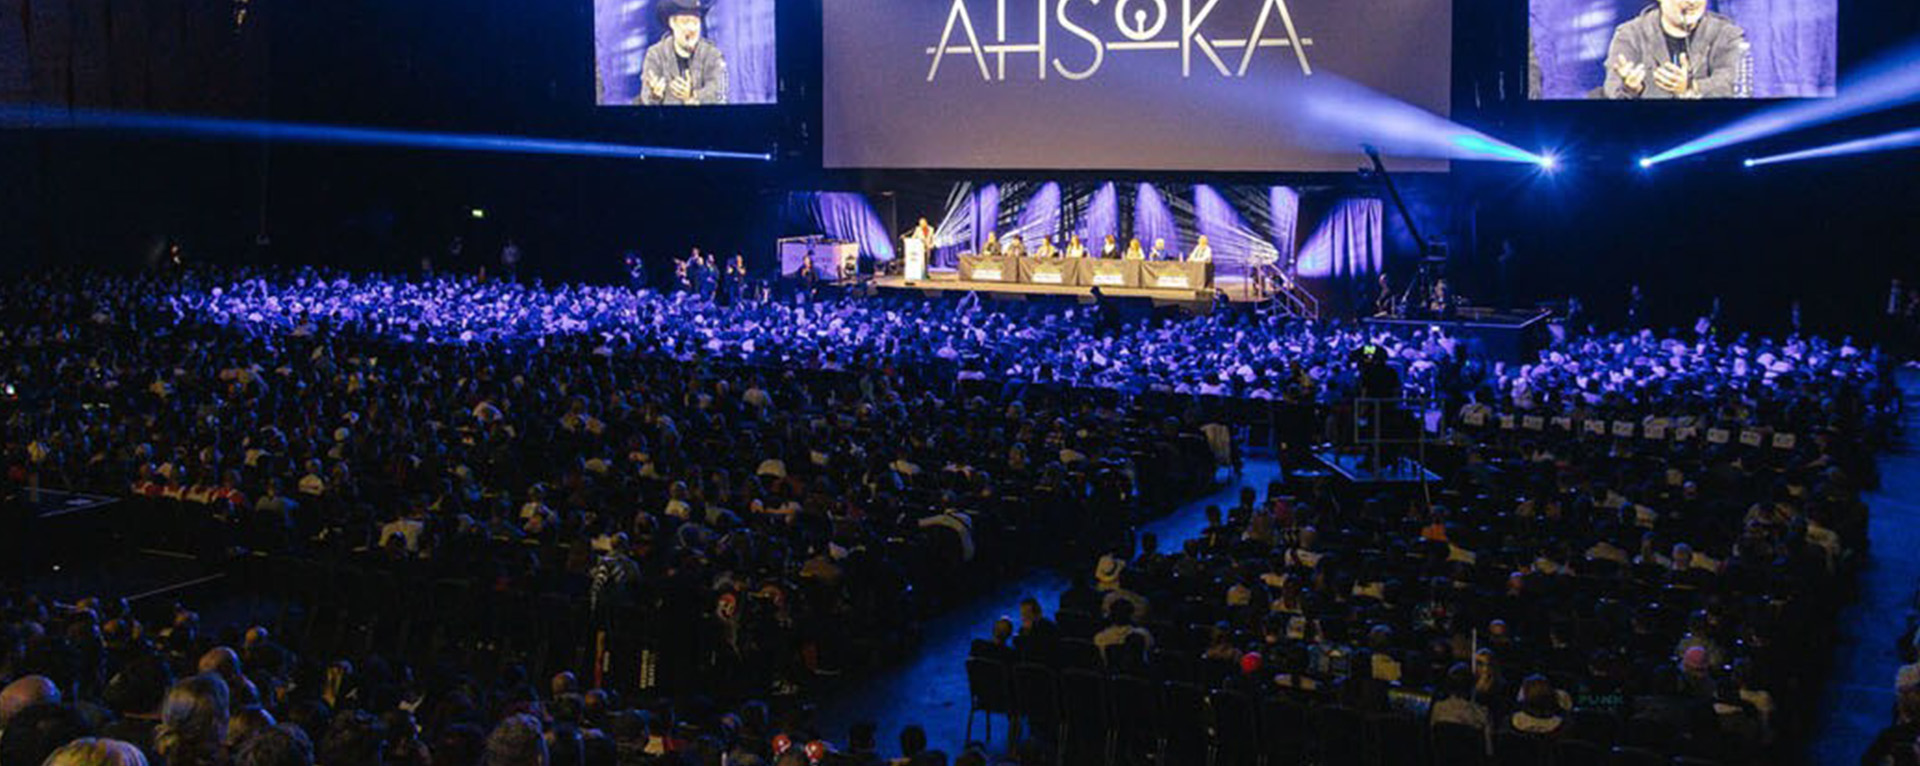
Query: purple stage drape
[[742, 29], [1347, 242], [1153, 220], [1793, 43], [848, 216]]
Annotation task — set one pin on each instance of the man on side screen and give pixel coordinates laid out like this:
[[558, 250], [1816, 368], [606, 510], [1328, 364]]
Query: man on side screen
[[686, 69], [1676, 49]]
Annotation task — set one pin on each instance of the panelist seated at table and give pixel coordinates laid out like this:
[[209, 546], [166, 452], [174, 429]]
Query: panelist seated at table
[[1202, 252], [1111, 249], [1014, 247], [992, 247], [1046, 249], [1075, 249], [1159, 251], [1134, 253]]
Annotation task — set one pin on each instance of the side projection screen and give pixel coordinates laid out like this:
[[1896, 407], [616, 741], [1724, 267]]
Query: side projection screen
[[680, 53]]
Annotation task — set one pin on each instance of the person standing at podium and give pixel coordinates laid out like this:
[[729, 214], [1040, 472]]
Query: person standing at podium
[[1202, 252], [924, 232]]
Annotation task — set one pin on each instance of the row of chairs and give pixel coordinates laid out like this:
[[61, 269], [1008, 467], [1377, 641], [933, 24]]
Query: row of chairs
[[1092, 718]]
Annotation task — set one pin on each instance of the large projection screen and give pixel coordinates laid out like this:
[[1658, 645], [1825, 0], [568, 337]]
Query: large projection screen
[[1114, 84]]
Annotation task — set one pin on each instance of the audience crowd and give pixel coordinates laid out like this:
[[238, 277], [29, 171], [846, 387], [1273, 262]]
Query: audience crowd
[[451, 487]]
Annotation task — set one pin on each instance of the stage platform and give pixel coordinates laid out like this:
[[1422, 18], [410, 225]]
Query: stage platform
[[945, 281]]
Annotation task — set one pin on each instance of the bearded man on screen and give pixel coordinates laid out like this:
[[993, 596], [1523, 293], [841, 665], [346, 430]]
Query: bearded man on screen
[[685, 69], [1676, 49]]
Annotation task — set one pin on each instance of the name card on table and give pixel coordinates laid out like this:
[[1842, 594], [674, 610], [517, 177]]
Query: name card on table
[[1622, 428], [1655, 431], [1595, 427], [1507, 422], [1684, 433], [1750, 438], [1563, 423], [1533, 423], [1784, 441], [1475, 418], [1719, 435]]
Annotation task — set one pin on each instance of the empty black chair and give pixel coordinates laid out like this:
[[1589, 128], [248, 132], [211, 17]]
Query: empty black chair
[[1036, 698], [1342, 735], [1285, 731], [1236, 728], [1083, 717], [1578, 752], [989, 691], [1458, 744]]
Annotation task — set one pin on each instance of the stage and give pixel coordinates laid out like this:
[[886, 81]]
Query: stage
[[940, 281]]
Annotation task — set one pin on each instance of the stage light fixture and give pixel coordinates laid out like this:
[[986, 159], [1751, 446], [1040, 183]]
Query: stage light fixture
[[1549, 161], [45, 118], [1747, 163], [1646, 162], [1891, 81], [477, 213], [1905, 139]]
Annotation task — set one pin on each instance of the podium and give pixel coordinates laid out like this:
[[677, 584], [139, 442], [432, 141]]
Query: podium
[[915, 250]]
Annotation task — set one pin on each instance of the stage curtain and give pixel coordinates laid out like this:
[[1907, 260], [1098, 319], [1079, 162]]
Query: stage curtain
[[1347, 242], [1283, 205], [1102, 218], [848, 216], [1153, 219]]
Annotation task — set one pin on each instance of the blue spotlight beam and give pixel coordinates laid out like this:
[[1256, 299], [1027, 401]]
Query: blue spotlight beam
[[1890, 82], [1333, 114], [45, 118], [1901, 140]]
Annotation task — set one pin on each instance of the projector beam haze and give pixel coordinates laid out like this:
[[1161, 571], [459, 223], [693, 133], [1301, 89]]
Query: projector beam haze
[[1904, 139], [1890, 82], [1333, 114], [42, 118]]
